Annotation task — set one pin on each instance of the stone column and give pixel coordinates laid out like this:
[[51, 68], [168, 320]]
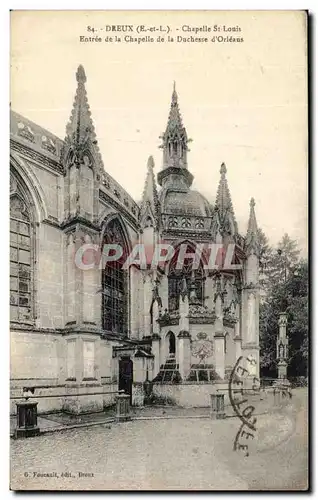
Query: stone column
[[156, 352], [184, 354], [147, 303], [237, 334], [282, 347], [163, 291], [219, 355], [250, 312]]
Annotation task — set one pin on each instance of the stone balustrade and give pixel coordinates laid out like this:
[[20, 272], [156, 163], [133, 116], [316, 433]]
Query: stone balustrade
[[186, 223]]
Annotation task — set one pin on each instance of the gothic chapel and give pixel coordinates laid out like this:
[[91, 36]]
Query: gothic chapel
[[85, 334]]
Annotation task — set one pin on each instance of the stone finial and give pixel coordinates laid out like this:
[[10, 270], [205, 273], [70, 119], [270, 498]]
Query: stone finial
[[80, 74], [80, 132], [150, 163], [252, 240], [223, 205], [174, 93], [223, 169], [150, 205]]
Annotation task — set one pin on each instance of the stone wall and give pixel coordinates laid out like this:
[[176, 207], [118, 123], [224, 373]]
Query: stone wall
[[190, 395]]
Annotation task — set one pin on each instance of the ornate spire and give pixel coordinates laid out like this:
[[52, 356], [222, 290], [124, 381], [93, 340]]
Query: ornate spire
[[223, 205], [150, 206], [80, 131], [252, 240], [175, 142], [174, 119]]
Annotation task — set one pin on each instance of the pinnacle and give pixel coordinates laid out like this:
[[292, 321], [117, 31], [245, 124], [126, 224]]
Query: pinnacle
[[150, 195], [150, 163], [80, 74], [80, 128], [252, 234], [223, 169], [174, 94]]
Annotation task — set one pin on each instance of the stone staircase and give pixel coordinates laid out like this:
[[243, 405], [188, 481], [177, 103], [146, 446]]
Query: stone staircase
[[169, 372]]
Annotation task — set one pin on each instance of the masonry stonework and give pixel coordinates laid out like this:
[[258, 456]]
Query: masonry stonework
[[74, 328]]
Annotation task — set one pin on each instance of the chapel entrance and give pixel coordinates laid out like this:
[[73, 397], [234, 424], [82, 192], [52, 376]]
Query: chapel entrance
[[125, 378], [172, 344]]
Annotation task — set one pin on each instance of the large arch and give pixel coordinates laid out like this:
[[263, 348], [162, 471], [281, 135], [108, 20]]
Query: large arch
[[31, 187], [194, 276], [23, 251], [105, 220], [115, 279]]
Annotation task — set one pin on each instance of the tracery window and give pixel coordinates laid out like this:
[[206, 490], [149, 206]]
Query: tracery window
[[21, 257], [115, 285], [193, 277]]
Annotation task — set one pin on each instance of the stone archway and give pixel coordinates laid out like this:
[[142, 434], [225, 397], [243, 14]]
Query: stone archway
[[171, 344]]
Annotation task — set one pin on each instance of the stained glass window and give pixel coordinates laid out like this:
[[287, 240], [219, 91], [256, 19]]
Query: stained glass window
[[20, 260], [115, 285]]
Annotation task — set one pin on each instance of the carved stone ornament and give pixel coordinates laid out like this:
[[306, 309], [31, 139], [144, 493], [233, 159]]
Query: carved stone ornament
[[25, 131], [48, 144], [202, 349]]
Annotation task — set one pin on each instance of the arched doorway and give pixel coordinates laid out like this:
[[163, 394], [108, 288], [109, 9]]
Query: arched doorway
[[125, 379], [171, 340]]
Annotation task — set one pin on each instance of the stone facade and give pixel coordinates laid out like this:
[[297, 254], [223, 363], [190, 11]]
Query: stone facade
[[73, 326]]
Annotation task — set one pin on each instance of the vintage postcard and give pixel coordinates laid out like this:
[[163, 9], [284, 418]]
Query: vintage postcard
[[158, 250]]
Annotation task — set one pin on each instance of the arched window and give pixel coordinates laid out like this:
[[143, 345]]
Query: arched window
[[194, 277], [21, 255], [115, 284]]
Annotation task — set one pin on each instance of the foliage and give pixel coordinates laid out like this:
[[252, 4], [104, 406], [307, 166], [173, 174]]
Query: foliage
[[284, 287]]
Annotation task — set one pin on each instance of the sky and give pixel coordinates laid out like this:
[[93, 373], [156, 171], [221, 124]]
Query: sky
[[244, 103]]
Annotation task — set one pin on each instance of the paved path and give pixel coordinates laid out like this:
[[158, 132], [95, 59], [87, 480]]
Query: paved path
[[195, 454], [165, 454]]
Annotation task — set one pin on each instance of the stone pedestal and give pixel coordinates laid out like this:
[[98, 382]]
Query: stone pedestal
[[282, 370], [123, 408], [217, 406], [27, 420]]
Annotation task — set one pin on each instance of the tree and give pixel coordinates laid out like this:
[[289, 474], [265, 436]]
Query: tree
[[265, 258], [285, 288]]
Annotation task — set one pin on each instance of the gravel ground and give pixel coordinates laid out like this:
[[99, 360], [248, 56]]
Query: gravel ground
[[195, 454]]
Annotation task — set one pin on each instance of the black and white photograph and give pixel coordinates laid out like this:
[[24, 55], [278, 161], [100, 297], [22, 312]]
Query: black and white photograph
[[159, 250]]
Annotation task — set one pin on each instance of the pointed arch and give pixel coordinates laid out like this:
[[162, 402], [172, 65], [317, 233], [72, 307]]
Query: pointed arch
[[22, 252], [115, 279], [105, 220], [31, 188], [194, 276]]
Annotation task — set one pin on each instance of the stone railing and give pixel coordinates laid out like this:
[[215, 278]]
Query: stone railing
[[118, 193], [186, 223], [35, 135]]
